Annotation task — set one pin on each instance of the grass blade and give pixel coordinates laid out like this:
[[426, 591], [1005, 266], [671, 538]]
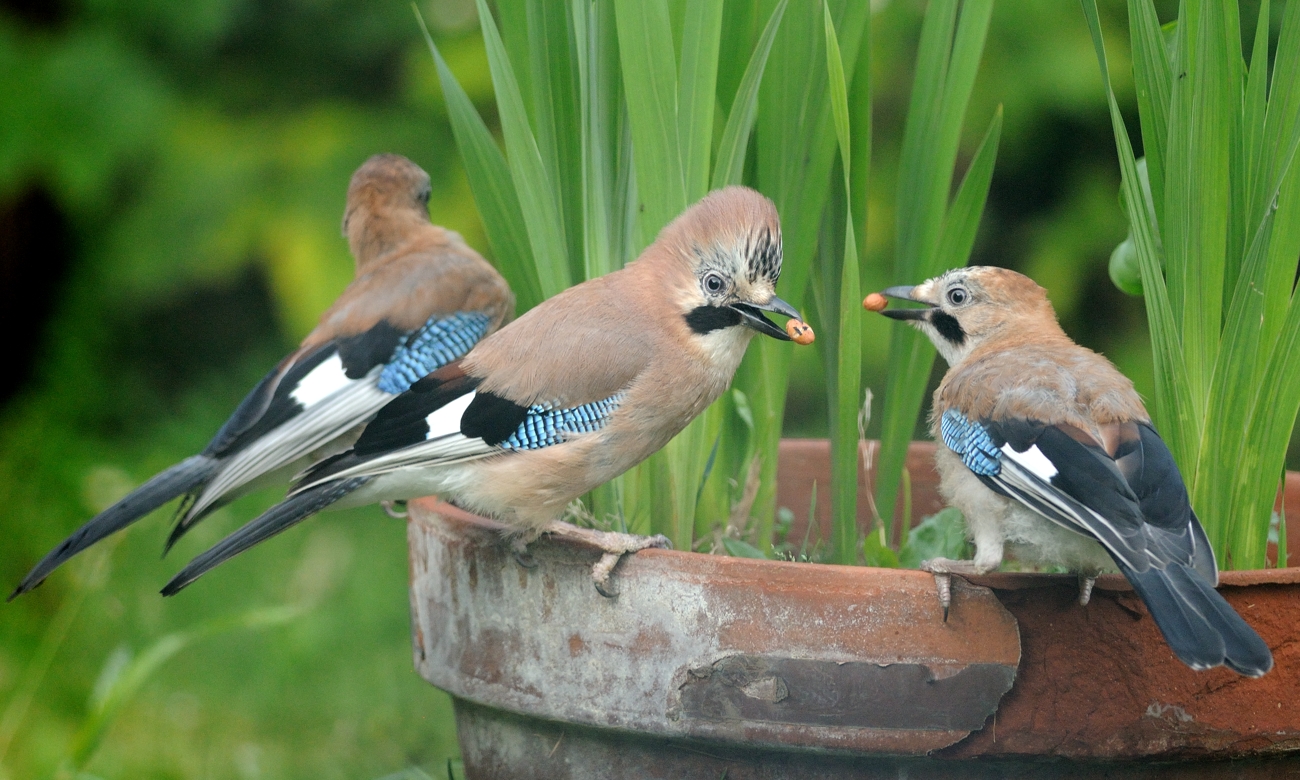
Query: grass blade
[[730, 163], [847, 376], [1197, 200], [697, 90], [536, 193], [963, 219], [795, 155], [650, 82], [947, 62], [555, 112], [1152, 76], [1173, 405], [493, 188]]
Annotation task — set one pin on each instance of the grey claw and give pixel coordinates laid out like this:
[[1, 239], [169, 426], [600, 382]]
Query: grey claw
[[390, 507], [943, 585], [601, 572], [1085, 589]]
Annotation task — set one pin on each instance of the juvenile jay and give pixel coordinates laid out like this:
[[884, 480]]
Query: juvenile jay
[[420, 299], [570, 395], [1047, 449]]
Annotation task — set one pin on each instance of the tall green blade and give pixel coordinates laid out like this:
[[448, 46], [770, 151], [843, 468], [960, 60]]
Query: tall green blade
[[1173, 406], [1197, 193], [536, 193], [796, 148], [1152, 76], [732, 148], [493, 188], [963, 219], [650, 82], [1254, 115], [848, 373], [697, 93], [555, 113], [946, 65]]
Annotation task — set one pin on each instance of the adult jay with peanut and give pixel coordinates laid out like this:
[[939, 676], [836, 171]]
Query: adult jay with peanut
[[421, 298], [1047, 450]]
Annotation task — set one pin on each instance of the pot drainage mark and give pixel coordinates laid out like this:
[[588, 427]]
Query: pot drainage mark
[[851, 694]]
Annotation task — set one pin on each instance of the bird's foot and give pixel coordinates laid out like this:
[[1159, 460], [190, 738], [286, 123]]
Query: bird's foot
[[391, 508], [519, 549], [614, 545], [1086, 581], [943, 569]]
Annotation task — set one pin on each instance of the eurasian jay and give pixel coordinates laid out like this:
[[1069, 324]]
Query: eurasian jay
[[421, 298], [573, 393], [1047, 449]]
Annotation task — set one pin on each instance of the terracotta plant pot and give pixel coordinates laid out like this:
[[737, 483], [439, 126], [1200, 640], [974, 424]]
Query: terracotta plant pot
[[709, 666]]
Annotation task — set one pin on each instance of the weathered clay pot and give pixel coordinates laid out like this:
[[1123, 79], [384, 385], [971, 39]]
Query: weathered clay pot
[[708, 666]]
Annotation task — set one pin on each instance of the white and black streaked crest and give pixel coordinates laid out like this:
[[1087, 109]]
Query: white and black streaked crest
[[763, 255]]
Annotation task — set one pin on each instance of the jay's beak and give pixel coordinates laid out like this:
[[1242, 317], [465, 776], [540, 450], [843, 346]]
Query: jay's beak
[[751, 316], [904, 293]]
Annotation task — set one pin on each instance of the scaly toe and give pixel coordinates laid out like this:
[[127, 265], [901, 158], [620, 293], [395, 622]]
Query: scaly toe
[[601, 571], [943, 587], [1085, 589]]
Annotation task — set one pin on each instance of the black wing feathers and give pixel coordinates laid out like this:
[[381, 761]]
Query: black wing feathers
[[364, 351], [271, 403], [1159, 487], [402, 422], [492, 418], [1135, 503], [268, 406]]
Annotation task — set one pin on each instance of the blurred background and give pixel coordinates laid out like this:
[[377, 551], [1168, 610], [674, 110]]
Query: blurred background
[[172, 180]]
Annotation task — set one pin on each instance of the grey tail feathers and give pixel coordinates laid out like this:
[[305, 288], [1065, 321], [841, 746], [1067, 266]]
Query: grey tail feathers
[[1200, 627], [183, 478], [280, 517]]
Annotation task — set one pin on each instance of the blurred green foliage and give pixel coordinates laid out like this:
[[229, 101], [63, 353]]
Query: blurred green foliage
[[197, 156]]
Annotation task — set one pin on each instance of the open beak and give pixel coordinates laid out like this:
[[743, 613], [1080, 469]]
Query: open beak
[[904, 293], [751, 315]]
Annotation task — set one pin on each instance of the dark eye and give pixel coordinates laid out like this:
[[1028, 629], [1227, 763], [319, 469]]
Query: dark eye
[[714, 283], [957, 296]]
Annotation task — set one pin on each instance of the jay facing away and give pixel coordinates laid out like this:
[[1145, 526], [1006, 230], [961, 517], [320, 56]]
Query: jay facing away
[[1047, 449], [570, 395], [421, 299]]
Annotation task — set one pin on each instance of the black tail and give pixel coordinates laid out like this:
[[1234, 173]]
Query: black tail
[[1200, 627], [178, 480], [282, 516]]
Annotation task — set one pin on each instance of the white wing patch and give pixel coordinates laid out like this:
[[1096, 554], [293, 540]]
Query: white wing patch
[[445, 420], [321, 382], [1033, 460], [1069, 513], [326, 419]]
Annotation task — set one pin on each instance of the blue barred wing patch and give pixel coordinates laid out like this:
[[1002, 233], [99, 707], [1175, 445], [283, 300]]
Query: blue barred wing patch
[[435, 344], [969, 440], [545, 425]]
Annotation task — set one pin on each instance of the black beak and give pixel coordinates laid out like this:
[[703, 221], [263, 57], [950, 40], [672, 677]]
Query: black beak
[[751, 316], [904, 293]]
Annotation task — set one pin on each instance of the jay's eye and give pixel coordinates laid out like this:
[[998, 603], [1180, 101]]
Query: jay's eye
[[714, 283], [957, 296]]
